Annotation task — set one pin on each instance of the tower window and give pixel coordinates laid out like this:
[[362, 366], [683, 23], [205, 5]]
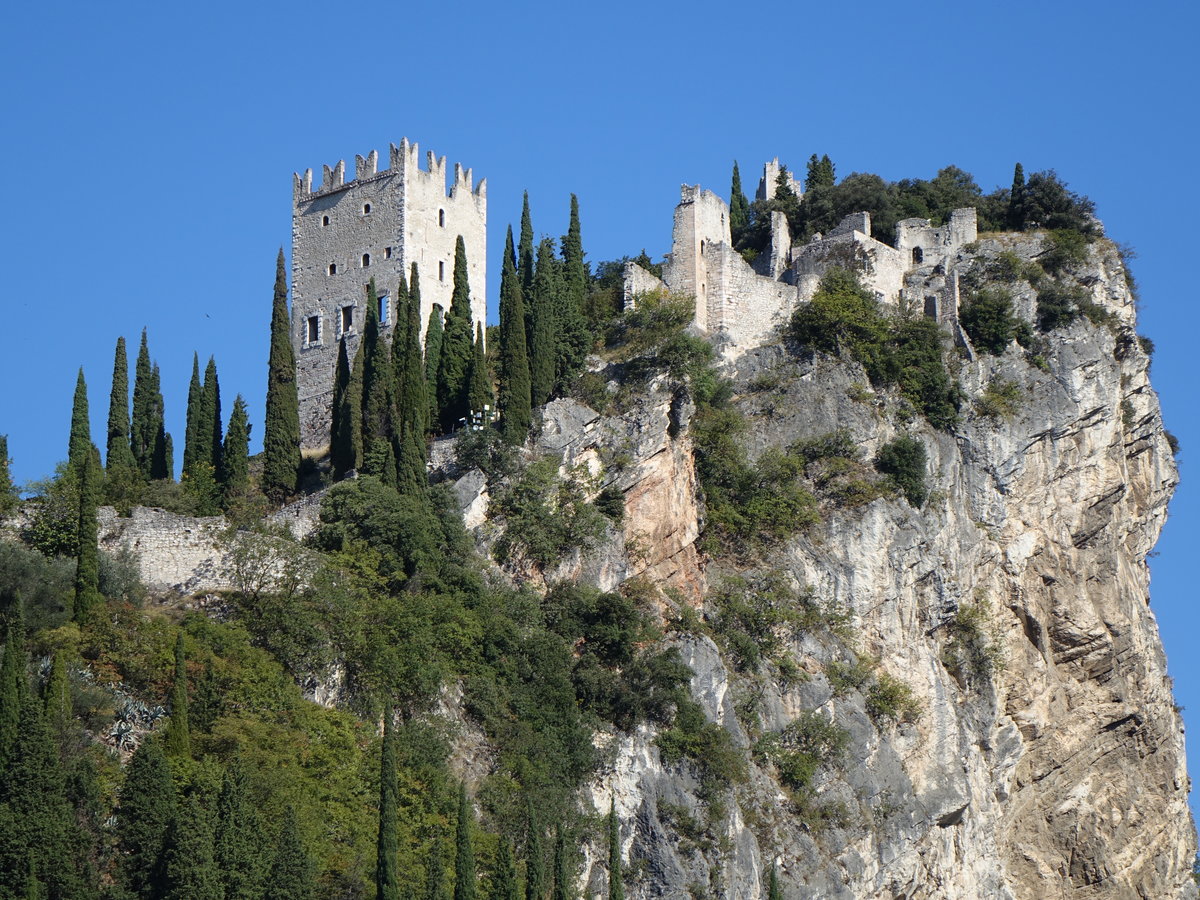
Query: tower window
[[333, 268], [442, 217], [387, 252], [366, 260], [347, 319], [366, 209], [313, 335], [384, 305], [918, 255], [324, 221], [441, 271]]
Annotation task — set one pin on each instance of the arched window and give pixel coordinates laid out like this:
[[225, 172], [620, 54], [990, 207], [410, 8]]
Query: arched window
[[333, 268], [324, 221], [366, 209], [918, 255], [366, 260]]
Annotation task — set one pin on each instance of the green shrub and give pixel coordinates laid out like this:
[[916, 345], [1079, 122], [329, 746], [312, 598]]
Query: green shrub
[[1000, 399], [1058, 304], [486, 450], [971, 650], [891, 698], [849, 676], [1067, 248], [1172, 442], [987, 318], [705, 744], [611, 503], [904, 461], [545, 516], [757, 615], [802, 748]]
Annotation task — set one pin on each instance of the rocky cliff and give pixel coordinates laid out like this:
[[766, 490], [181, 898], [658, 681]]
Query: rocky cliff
[[1041, 754]]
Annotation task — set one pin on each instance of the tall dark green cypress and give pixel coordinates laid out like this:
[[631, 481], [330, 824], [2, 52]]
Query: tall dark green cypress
[[377, 397], [162, 458], [57, 699], [235, 455], [145, 811], [237, 839], [291, 873], [178, 740], [8, 491], [435, 873], [14, 684], [387, 875], [525, 260], [464, 855], [562, 888], [820, 173], [191, 435], [118, 455], [774, 891], [413, 404], [547, 286], [202, 472], [535, 859], [210, 423], [190, 873], [616, 887], [739, 206], [87, 561], [480, 399], [143, 428], [342, 441], [504, 882], [1016, 200], [80, 444], [434, 337], [516, 413], [281, 430], [571, 329], [457, 347]]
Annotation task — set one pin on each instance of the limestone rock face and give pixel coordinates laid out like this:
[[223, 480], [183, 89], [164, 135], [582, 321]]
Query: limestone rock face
[[1059, 773]]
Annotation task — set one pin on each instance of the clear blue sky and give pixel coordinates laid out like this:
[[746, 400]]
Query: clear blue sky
[[148, 151]]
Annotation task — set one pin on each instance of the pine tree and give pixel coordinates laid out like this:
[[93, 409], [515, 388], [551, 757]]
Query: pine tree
[[342, 440], [464, 855], [387, 875], [178, 739], [535, 862], [80, 444], [547, 286], [504, 883], [237, 839], [191, 435], [281, 433], [143, 426], [118, 455], [480, 399], [434, 338], [291, 874], [1016, 200], [525, 260], [739, 206], [774, 891], [616, 889], [235, 455], [561, 889], [573, 340], [377, 397], [87, 562], [457, 346], [189, 870], [146, 809], [516, 413], [8, 491]]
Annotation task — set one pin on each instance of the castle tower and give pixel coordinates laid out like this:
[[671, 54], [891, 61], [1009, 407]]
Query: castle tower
[[344, 233]]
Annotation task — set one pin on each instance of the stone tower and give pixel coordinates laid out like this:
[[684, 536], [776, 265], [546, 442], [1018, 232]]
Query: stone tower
[[344, 233]]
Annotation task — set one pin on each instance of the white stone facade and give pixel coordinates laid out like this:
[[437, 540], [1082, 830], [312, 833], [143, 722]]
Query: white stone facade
[[344, 233]]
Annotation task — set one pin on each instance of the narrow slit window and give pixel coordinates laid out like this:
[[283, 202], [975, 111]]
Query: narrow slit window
[[366, 260], [442, 218], [314, 329], [384, 304], [333, 268], [441, 271], [387, 252], [918, 255], [347, 319], [366, 209], [324, 221]]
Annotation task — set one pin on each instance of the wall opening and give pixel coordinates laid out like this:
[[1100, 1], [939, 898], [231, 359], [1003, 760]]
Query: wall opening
[[333, 268], [387, 252], [442, 217], [366, 260], [324, 221], [347, 319], [441, 271], [366, 209], [931, 310], [313, 334], [384, 305], [918, 255]]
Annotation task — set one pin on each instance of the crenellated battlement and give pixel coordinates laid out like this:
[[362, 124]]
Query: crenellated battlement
[[403, 160]]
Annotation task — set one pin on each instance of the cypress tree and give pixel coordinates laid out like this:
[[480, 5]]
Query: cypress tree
[[162, 459], [525, 249], [291, 874], [57, 698], [13, 685], [547, 287], [202, 471], [118, 454], [774, 891], [616, 889], [377, 394], [535, 862], [387, 876], [480, 399], [237, 840], [504, 884], [457, 347], [281, 431], [434, 872], [1016, 200], [561, 889], [146, 809], [190, 439], [178, 738], [414, 401], [80, 443], [434, 337], [464, 855], [235, 455], [210, 422], [341, 429], [571, 330], [8, 491], [143, 428], [399, 345], [87, 561], [820, 173], [354, 400], [516, 413], [739, 206], [189, 870]]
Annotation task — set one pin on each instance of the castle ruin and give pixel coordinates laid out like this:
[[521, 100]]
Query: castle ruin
[[746, 304], [344, 233]]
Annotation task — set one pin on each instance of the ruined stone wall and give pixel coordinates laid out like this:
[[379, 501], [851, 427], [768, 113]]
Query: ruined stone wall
[[701, 220], [374, 226], [923, 244], [637, 282], [766, 185], [850, 246]]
